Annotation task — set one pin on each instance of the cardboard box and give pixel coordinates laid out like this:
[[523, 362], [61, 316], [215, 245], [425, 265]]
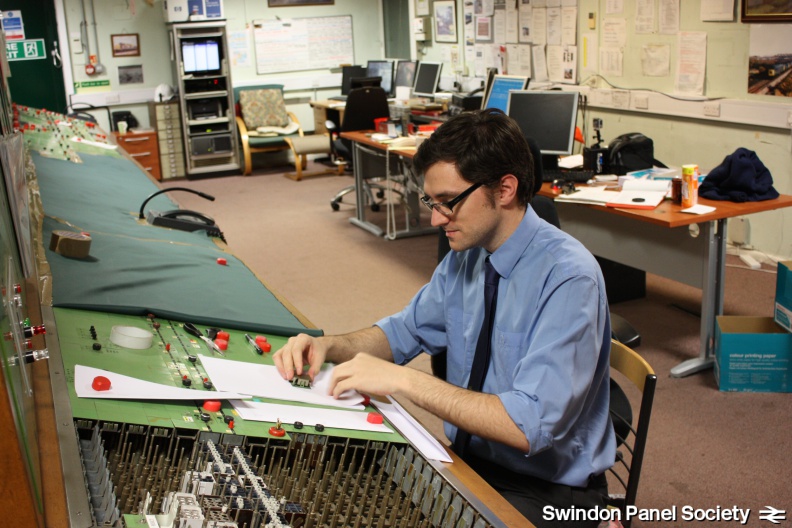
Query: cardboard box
[[752, 354], [783, 296]]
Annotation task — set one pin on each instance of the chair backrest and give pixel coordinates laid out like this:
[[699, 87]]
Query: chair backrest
[[238, 89], [629, 457], [363, 106]]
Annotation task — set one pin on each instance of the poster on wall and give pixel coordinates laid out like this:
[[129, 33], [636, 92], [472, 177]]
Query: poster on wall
[[770, 60]]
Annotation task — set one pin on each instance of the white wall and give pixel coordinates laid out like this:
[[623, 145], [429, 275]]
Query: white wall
[[120, 17], [692, 138]]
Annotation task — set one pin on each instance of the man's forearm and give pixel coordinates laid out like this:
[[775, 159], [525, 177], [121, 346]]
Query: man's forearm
[[342, 348], [478, 413]]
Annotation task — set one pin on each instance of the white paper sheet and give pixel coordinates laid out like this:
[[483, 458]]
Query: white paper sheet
[[129, 388], [419, 437], [588, 195], [309, 416], [698, 209], [266, 382]]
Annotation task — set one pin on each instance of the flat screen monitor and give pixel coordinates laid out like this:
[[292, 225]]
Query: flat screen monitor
[[384, 70], [365, 82], [427, 77], [201, 57], [405, 73], [547, 117], [498, 91], [347, 74]]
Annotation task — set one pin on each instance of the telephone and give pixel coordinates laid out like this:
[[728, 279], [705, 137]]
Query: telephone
[[181, 219]]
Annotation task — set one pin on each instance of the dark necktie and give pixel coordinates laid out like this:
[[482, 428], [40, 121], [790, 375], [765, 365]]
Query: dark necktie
[[483, 346]]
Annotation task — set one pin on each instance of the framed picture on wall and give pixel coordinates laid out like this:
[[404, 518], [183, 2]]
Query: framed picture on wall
[[284, 3], [125, 45], [766, 11], [445, 21], [421, 7]]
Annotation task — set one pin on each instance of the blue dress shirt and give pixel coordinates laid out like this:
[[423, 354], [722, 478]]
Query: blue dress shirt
[[550, 349]]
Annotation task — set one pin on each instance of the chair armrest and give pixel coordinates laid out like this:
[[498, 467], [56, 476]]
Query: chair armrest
[[293, 117], [243, 131]]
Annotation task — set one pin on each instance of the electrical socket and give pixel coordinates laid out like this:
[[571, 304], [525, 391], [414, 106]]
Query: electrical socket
[[712, 109], [739, 231]]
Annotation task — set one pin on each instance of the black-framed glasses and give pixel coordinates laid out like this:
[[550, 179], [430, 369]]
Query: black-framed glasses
[[447, 208]]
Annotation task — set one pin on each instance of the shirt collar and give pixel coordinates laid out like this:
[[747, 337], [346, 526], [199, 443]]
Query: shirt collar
[[505, 258]]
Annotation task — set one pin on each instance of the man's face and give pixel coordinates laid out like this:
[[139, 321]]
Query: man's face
[[473, 221]]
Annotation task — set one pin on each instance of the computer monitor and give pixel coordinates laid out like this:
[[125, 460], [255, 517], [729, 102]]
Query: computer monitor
[[547, 117], [405, 73], [201, 57], [347, 74], [384, 70], [365, 82], [427, 77], [498, 91]]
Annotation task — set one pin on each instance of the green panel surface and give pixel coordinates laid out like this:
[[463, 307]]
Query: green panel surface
[[168, 367], [135, 268]]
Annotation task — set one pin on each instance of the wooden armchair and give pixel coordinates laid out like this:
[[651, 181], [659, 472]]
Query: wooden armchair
[[264, 124]]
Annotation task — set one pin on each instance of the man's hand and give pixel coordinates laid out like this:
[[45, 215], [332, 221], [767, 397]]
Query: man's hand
[[298, 351], [370, 375]]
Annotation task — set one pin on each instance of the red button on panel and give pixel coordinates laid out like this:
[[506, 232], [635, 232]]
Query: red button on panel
[[101, 383], [212, 405]]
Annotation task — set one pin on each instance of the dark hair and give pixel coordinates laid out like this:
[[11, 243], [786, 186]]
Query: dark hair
[[484, 145]]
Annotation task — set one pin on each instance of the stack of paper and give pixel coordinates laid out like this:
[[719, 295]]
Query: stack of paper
[[599, 195], [640, 194]]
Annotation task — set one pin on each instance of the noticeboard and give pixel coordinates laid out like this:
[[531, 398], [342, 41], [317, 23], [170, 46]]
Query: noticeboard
[[303, 43]]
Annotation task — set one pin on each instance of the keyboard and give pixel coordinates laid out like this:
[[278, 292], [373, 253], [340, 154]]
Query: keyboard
[[575, 176], [338, 98]]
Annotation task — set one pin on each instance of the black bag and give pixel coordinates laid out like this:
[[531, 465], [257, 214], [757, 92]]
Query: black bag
[[631, 152]]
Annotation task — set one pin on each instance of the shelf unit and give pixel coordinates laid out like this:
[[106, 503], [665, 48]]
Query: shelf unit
[[167, 117], [206, 98]]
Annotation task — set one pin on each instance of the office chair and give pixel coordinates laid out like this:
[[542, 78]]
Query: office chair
[[363, 106], [630, 439], [261, 107]]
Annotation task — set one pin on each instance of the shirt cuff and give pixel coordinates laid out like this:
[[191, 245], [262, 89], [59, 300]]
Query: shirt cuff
[[523, 411]]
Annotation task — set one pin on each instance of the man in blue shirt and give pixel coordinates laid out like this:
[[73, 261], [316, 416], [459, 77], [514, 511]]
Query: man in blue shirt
[[540, 432]]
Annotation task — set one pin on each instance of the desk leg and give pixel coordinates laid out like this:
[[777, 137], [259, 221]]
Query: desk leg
[[711, 300], [360, 198]]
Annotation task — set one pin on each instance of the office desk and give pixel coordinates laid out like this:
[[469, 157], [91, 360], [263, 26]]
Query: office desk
[[324, 110], [363, 145], [687, 248]]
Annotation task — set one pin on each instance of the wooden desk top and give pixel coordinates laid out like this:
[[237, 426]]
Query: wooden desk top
[[364, 137], [328, 103], [667, 214]]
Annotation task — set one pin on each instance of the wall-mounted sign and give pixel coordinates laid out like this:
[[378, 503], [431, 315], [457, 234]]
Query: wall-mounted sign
[[13, 26], [25, 50]]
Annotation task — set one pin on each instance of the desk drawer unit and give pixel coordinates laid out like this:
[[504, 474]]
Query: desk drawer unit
[[143, 148], [167, 119]]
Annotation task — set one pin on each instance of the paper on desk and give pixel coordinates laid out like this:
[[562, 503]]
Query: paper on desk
[[698, 209], [640, 194], [419, 437], [129, 388], [571, 162], [340, 419], [265, 381], [588, 195]]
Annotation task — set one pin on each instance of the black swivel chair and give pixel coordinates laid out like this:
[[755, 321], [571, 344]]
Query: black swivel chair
[[363, 106]]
